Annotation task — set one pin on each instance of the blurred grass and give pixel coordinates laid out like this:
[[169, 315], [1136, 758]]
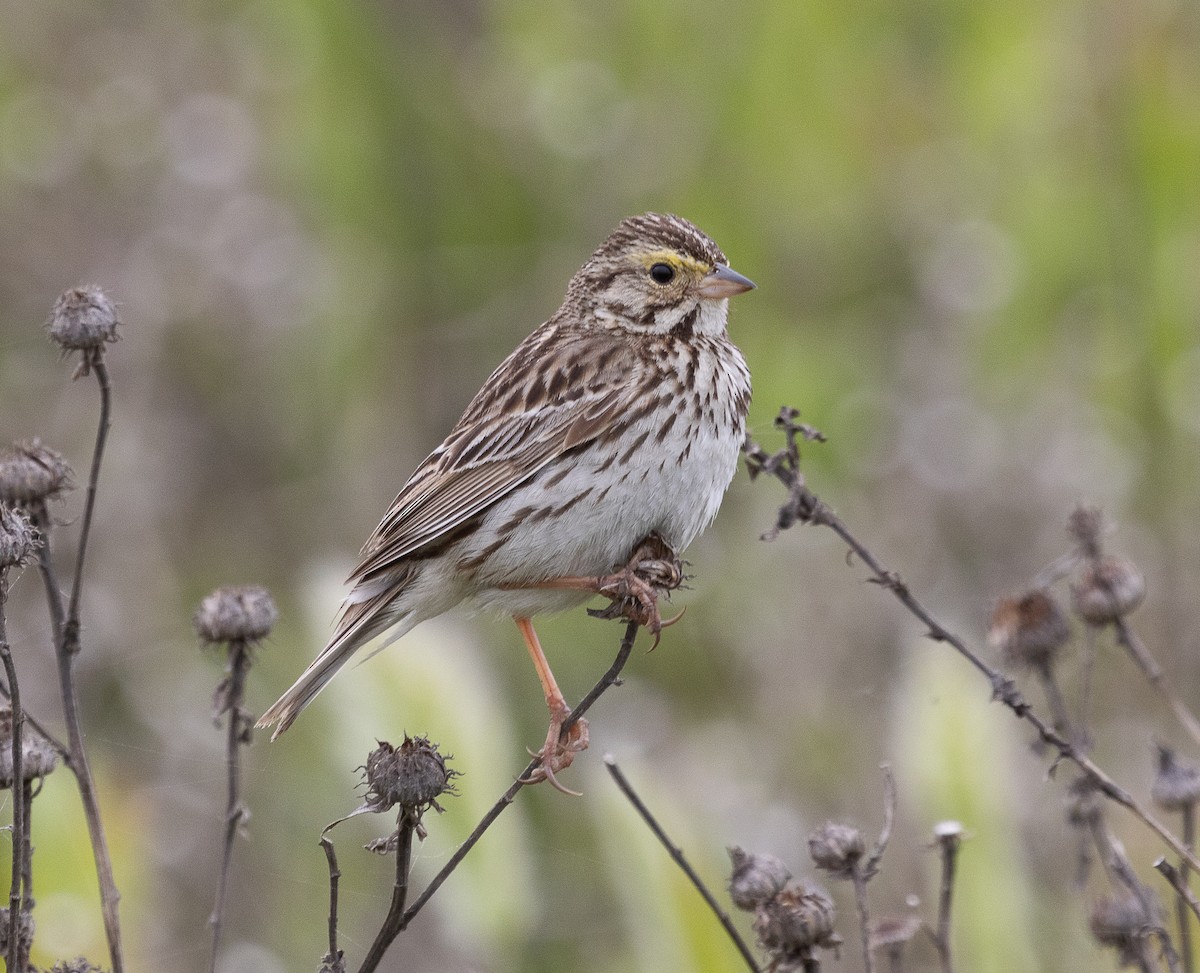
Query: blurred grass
[[976, 235]]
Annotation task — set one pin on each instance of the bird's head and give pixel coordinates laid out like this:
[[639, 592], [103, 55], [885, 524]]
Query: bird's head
[[657, 274]]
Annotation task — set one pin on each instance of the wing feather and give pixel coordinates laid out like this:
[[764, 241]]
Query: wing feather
[[495, 446]]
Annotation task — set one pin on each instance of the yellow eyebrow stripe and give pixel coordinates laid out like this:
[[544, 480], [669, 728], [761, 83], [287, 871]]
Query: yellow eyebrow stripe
[[677, 260]]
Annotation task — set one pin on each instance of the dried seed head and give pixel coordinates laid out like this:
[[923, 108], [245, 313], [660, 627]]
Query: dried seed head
[[1120, 923], [1177, 785], [332, 964], [24, 936], [1107, 589], [77, 965], [236, 614], [1029, 630], [755, 878], [795, 921], [1086, 525], [837, 848], [31, 472], [412, 775], [38, 758], [18, 538], [83, 319]]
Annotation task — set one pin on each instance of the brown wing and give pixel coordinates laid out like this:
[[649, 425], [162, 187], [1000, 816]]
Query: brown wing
[[557, 390]]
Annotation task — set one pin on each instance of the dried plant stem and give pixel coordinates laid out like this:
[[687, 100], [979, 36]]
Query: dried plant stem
[[393, 922], [1121, 872], [66, 643], [862, 872], [804, 506], [1171, 874], [335, 874], [610, 678], [941, 936], [1058, 705], [1181, 906], [19, 807], [678, 857], [864, 916], [1154, 674], [235, 811]]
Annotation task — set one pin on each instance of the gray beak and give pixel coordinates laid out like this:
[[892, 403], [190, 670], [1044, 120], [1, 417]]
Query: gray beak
[[724, 282]]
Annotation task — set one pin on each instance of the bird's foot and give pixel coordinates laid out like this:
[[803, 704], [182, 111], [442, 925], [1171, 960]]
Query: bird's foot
[[652, 569], [558, 752]]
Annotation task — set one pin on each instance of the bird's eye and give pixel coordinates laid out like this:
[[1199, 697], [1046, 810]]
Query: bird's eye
[[662, 273]]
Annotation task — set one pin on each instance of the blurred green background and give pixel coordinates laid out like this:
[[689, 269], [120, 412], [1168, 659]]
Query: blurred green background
[[976, 233]]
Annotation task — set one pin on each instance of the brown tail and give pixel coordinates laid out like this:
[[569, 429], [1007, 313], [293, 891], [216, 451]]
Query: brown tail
[[358, 625]]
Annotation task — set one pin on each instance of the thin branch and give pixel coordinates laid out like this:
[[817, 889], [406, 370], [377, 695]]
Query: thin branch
[[89, 506], [1154, 674], [804, 506], [949, 842], [14, 958], [608, 680], [235, 812], [677, 856], [67, 646], [864, 916], [393, 923], [862, 872], [1121, 871], [334, 955], [1176, 881], [870, 865]]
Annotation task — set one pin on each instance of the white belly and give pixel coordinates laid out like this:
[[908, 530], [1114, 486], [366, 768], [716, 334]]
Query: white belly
[[586, 518]]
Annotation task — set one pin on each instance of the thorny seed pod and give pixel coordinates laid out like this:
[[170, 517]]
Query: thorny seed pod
[[18, 538], [1177, 785], [1120, 923], [332, 964], [83, 319], [837, 848], [31, 472], [1028, 630], [24, 935], [755, 878], [236, 614], [77, 965], [797, 920], [1107, 589], [412, 775], [38, 758]]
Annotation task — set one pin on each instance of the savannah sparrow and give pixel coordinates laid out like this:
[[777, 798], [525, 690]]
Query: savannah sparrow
[[615, 423]]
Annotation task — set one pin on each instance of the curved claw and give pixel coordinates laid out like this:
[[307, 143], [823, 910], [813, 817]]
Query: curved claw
[[657, 630]]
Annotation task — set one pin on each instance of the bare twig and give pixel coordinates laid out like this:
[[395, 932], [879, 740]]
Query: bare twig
[[1154, 674], [608, 680], [231, 693], [1176, 881], [394, 922], [67, 646], [804, 506], [1122, 873], [862, 872], [870, 865], [948, 836], [334, 955], [677, 856], [14, 959]]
